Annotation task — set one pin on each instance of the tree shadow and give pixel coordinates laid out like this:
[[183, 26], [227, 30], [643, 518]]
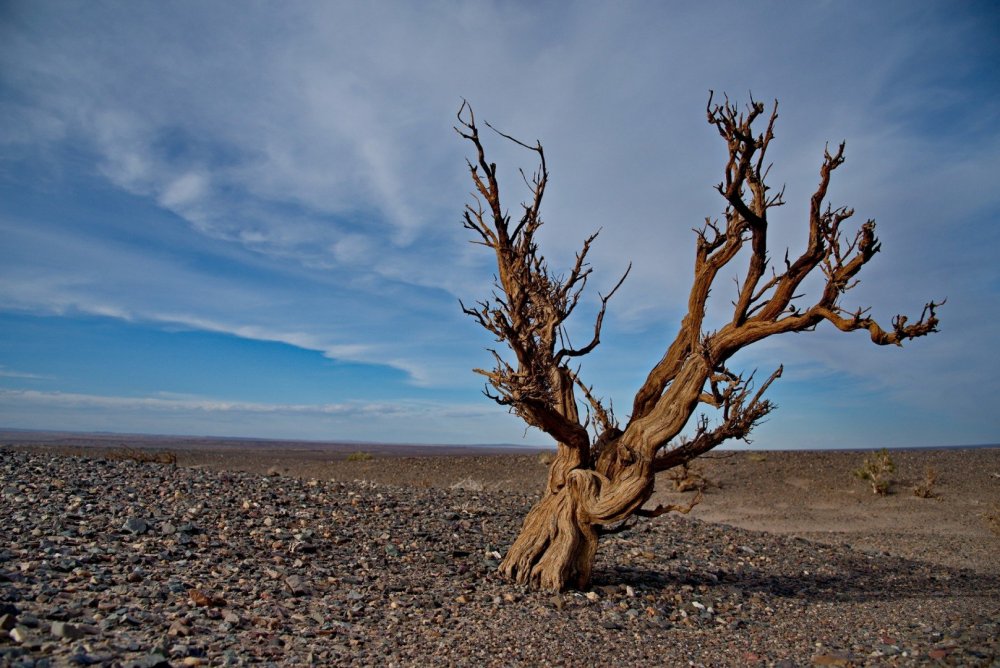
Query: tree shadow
[[857, 577]]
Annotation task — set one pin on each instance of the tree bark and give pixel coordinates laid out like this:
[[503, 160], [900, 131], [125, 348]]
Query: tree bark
[[558, 540], [595, 483]]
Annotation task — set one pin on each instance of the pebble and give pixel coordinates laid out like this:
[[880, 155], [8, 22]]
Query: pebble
[[248, 569], [296, 585], [67, 630], [149, 661], [136, 525]]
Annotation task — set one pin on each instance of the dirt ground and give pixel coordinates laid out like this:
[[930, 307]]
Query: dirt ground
[[811, 494], [814, 495]]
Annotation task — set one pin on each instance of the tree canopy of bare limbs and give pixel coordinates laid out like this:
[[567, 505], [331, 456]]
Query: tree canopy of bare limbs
[[597, 482]]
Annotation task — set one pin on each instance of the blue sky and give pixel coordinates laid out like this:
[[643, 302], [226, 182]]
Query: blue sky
[[243, 219]]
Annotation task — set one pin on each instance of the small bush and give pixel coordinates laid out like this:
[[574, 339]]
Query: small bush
[[925, 488], [469, 484], [144, 456], [992, 519], [876, 470], [688, 477], [757, 457], [360, 456]]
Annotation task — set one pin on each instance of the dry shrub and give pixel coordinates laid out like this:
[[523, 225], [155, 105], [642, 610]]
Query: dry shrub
[[469, 484], [688, 477], [143, 456], [360, 456], [925, 488], [876, 469], [992, 518], [546, 458]]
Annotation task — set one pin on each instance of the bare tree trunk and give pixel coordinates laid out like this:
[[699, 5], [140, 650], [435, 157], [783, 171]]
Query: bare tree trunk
[[594, 484], [558, 540]]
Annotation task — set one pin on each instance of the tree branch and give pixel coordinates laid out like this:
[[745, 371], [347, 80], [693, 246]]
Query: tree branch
[[531, 304]]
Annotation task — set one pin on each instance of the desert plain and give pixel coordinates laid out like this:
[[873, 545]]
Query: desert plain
[[229, 552]]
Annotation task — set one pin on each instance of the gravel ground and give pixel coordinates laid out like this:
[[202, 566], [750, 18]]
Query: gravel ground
[[124, 563]]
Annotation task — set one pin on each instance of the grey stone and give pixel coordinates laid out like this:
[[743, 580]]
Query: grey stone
[[149, 661], [136, 525], [67, 630], [179, 651], [296, 585]]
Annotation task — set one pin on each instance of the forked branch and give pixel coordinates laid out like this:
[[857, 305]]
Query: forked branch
[[592, 487], [530, 305]]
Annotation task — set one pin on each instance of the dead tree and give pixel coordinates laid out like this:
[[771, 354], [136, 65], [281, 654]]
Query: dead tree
[[596, 482]]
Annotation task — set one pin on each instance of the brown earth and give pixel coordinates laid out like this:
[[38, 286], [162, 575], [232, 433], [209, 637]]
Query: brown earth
[[809, 494], [814, 495]]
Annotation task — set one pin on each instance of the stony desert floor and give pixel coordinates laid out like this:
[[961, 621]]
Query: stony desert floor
[[286, 556], [812, 495]]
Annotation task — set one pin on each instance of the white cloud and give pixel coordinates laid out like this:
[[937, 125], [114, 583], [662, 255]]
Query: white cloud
[[310, 154], [400, 421], [183, 191], [195, 404], [353, 249], [23, 375]]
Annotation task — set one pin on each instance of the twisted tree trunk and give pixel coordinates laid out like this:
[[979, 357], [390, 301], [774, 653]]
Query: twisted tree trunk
[[559, 537], [592, 485], [558, 540]]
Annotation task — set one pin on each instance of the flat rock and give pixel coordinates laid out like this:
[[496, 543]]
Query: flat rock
[[67, 631], [136, 525]]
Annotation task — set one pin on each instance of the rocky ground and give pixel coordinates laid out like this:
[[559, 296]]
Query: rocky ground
[[119, 562]]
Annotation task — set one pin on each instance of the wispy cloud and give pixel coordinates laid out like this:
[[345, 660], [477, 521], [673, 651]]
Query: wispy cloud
[[77, 400], [293, 177], [11, 373], [399, 421]]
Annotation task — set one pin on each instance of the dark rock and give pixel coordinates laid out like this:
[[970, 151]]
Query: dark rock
[[67, 630], [296, 585], [136, 525], [149, 661]]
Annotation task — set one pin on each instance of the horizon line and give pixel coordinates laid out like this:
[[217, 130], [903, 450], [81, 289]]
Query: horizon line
[[7, 433]]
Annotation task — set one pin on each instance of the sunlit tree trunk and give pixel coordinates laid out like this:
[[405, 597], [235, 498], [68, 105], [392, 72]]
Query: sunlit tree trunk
[[600, 480]]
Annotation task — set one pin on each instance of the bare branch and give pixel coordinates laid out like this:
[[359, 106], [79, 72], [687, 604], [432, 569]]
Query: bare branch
[[741, 412], [531, 304], [592, 486], [671, 507], [599, 322]]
